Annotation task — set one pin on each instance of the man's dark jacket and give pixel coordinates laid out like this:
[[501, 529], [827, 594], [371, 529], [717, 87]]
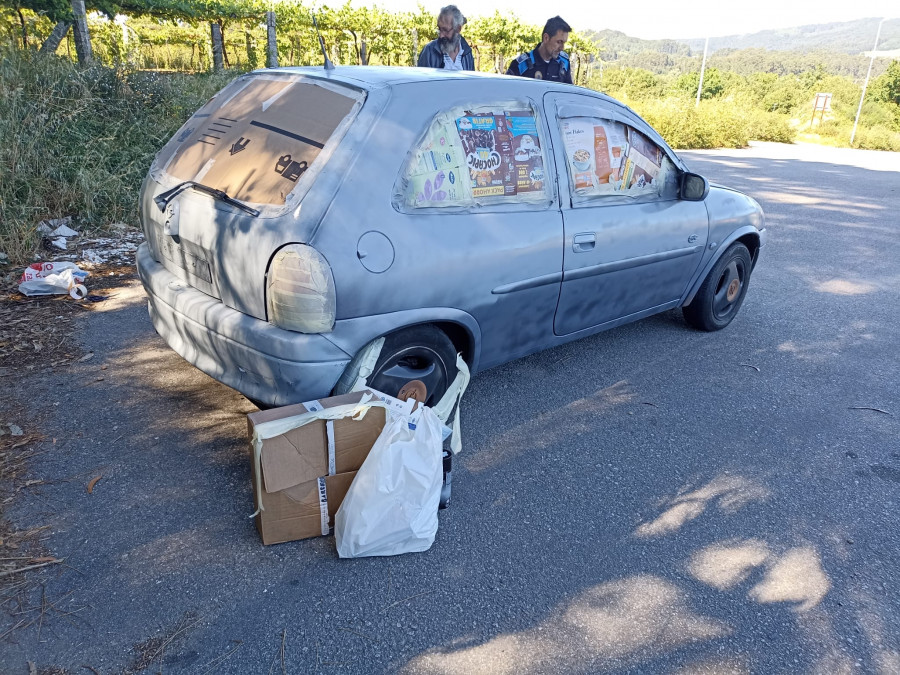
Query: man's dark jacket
[[433, 57]]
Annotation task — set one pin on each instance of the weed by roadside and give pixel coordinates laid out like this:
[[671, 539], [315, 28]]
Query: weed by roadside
[[78, 141], [35, 337]]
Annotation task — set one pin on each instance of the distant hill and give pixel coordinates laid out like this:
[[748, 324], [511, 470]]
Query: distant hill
[[616, 45], [849, 37]]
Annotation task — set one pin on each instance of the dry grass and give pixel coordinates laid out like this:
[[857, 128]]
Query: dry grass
[[35, 338]]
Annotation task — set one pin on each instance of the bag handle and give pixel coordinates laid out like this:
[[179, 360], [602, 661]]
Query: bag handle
[[450, 403]]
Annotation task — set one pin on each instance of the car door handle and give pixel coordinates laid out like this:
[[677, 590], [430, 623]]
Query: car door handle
[[584, 242]]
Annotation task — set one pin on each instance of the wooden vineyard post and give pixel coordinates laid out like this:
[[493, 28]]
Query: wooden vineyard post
[[51, 44], [217, 46], [82, 36], [271, 43]]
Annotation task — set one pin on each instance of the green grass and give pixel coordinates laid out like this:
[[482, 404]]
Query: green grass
[[78, 141]]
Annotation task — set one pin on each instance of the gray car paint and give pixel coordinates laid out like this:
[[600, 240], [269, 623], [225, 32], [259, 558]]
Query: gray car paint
[[495, 272]]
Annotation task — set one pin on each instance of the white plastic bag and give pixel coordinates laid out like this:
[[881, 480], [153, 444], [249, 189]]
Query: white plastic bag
[[52, 278], [392, 505]]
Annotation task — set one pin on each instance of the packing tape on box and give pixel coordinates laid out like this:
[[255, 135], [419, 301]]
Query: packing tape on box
[[323, 508], [329, 433], [371, 352], [267, 430], [312, 406]]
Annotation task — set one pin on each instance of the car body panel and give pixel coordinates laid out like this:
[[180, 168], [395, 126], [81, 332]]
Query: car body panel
[[622, 255], [263, 362], [504, 279]]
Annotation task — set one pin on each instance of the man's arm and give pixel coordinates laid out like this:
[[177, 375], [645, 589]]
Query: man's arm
[[519, 65]]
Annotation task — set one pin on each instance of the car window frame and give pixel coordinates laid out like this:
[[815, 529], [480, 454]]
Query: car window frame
[[364, 112], [492, 204], [576, 105]]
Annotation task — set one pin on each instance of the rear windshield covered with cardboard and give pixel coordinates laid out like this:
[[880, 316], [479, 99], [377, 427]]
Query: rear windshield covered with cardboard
[[259, 137]]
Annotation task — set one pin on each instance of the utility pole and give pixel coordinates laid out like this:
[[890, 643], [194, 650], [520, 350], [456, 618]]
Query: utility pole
[[866, 84], [702, 68]]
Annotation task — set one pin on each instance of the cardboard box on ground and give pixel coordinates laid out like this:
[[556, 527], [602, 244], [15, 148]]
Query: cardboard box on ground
[[298, 489]]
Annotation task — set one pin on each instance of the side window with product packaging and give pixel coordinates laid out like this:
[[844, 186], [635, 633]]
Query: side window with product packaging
[[607, 158], [476, 156]]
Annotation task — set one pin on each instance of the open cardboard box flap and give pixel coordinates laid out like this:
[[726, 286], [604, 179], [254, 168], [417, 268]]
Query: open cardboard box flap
[[301, 455]]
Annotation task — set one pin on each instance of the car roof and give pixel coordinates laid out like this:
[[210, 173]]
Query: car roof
[[373, 77], [379, 77]]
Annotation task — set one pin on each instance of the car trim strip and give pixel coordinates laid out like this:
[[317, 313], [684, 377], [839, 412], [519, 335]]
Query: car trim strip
[[526, 284], [604, 268]]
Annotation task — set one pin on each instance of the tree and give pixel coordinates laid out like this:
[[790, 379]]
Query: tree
[[886, 87], [55, 10]]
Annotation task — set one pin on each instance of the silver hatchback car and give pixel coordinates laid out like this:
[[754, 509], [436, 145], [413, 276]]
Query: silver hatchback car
[[304, 213]]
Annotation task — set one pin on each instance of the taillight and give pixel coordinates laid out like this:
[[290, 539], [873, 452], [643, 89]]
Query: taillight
[[300, 290]]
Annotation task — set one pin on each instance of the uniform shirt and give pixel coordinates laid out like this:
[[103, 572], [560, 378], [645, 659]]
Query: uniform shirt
[[531, 64]]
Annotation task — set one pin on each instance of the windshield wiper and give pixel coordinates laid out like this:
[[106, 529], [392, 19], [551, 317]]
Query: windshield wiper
[[163, 198]]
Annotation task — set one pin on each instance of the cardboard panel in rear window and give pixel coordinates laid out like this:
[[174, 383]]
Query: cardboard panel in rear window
[[258, 138]]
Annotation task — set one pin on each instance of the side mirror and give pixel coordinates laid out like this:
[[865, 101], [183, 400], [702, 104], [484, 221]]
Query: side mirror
[[694, 187]]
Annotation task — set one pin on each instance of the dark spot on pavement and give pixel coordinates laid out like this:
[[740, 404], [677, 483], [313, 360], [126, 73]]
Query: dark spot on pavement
[[886, 472]]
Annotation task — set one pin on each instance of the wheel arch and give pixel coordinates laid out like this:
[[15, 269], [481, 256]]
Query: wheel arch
[[460, 335], [748, 236], [353, 335], [461, 338]]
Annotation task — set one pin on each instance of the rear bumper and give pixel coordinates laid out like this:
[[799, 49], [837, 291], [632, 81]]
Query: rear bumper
[[263, 362]]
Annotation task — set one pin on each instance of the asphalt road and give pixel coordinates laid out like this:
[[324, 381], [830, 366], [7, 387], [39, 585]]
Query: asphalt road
[[652, 499]]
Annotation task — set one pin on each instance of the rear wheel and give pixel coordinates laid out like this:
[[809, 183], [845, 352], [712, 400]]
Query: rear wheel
[[419, 353], [722, 293]]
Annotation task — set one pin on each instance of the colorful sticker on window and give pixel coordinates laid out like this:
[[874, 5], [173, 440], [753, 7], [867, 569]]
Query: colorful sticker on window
[[643, 163], [487, 155], [606, 157], [595, 150], [526, 145], [503, 153], [436, 169], [486, 149]]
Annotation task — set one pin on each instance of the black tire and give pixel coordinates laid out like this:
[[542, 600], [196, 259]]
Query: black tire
[[418, 353], [723, 291]]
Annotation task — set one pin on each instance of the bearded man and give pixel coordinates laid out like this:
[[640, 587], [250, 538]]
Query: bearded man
[[450, 51]]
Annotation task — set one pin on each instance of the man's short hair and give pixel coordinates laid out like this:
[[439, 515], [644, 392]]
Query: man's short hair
[[456, 16], [554, 25]]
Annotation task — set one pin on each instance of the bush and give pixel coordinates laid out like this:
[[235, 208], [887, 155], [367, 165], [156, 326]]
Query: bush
[[712, 124], [78, 141], [837, 132], [767, 126]]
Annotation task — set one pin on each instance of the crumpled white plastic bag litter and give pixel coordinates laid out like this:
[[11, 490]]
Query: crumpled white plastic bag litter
[[52, 278], [392, 505]]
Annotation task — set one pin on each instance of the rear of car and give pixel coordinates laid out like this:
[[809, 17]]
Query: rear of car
[[227, 209]]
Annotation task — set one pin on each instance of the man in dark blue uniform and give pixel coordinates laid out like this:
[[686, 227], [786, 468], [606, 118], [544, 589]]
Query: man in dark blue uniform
[[547, 61]]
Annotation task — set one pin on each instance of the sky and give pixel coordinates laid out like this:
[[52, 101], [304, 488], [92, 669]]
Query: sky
[[653, 19]]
